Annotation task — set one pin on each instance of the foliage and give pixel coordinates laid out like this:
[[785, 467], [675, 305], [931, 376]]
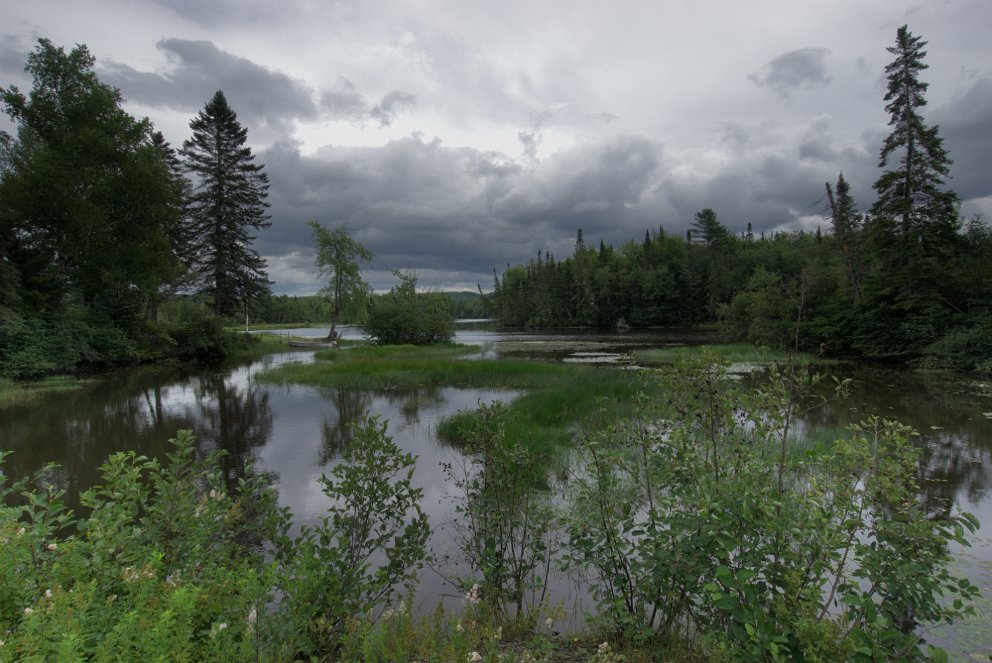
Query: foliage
[[203, 336], [163, 568], [502, 525], [227, 204], [405, 316], [355, 559], [338, 257], [78, 177], [702, 522]]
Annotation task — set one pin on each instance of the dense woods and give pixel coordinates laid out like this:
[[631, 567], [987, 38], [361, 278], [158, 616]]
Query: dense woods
[[102, 221], [907, 280]]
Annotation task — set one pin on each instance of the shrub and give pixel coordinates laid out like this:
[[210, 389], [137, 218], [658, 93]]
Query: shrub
[[704, 522], [202, 337], [404, 316]]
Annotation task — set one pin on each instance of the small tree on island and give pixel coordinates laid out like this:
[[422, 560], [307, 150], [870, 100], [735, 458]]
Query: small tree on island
[[404, 315], [337, 259]]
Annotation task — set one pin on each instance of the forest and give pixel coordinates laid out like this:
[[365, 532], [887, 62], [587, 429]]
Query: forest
[[906, 280]]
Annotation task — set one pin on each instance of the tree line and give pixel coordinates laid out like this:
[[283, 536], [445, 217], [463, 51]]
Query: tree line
[[906, 280], [102, 220]]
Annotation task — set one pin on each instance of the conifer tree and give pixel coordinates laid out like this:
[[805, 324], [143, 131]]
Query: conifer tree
[[227, 205], [911, 192]]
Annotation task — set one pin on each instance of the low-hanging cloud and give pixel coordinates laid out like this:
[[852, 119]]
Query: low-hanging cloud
[[802, 68], [262, 96]]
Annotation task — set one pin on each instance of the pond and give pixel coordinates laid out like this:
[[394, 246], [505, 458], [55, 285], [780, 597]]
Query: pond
[[295, 433]]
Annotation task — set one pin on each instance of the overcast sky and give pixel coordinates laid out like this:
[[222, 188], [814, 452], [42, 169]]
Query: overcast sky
[[456, 137]]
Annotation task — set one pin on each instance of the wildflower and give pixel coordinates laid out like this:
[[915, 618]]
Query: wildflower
[[402, 609], [472, 597], [498, 634], [20, 532], [28, 611], [48, 593], [549, 622], [604, 648], [388, 614], [474, 657], [52, 546], [252, 616], [458, 627], [221, 626]]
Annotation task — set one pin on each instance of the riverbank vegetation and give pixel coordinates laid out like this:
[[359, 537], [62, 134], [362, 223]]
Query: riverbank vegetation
[[698, 531]]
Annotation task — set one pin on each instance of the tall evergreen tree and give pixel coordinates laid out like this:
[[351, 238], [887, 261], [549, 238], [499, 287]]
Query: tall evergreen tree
[[911, 235], [226, 206], [912, 192]]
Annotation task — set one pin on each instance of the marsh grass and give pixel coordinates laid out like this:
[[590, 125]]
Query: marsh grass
[[730, 352], [558, 398], [13, 393]]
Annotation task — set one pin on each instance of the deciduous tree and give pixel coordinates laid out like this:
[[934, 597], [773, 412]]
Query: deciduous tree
[[338, 256]]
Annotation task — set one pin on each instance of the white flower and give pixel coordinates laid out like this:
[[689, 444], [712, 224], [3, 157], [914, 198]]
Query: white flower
[[498, 634], [549, 622], [604, 648], [48, 593], [252, 616], [221, 626], [52, 546], [20, 532], [28, 611], [474, 657], [458, 627], [472, 598]]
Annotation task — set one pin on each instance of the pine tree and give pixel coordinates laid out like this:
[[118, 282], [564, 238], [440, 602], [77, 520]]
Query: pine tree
[[913, 191], [227, 204], [911, 236]]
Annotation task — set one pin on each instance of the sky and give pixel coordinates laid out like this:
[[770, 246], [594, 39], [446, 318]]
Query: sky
[[457, 137]]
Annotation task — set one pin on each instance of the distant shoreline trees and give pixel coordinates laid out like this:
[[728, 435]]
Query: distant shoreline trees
[[900, 283]]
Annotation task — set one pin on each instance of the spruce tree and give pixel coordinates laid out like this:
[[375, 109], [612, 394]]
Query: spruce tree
[[911, 192], [227, 205], [911, 236]]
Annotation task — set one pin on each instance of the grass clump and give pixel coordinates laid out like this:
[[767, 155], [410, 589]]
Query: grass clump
[[729, 352], [13, 393]]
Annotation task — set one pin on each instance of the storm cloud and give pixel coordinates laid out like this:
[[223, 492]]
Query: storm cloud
[[457, 141], [803, 68], [262, 96]]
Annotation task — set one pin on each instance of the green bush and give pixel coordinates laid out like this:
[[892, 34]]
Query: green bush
[[34, 347], [705, 522], [965, 348], [404, 316], [201, 337], [175, 562]]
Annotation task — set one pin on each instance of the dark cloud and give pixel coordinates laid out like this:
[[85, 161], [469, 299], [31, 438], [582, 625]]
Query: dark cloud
[[530, 140], [423, 206], [461, 212], [803, 68], [343, 101], [391, 104], [261, 96], [965, 123]]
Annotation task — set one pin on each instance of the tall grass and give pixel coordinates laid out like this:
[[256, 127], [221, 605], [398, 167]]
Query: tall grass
[[13, 393], [731, 352]]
